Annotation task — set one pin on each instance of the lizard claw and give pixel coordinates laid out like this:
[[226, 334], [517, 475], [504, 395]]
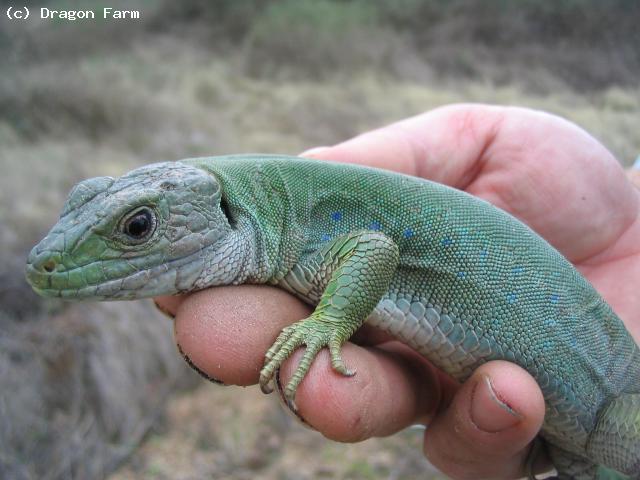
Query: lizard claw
[[265, 386], [284, 346]]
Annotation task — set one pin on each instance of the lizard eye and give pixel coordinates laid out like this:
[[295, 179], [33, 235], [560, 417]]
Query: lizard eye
[[139, 224]]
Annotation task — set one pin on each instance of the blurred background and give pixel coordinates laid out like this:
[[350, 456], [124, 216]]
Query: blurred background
[[98, 390]]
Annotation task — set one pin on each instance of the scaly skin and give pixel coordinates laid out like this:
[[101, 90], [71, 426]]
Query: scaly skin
[[457, 279]]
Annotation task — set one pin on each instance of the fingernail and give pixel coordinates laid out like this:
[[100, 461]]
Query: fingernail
[[198, 371], [312, 152], [164, 310], [289, 405], [489, 412]]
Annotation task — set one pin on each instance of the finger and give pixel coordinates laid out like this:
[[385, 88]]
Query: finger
[[168, 304], [224, 332], [445, 144], [488, 428], [368, 335], [393, 388], [633, 173]]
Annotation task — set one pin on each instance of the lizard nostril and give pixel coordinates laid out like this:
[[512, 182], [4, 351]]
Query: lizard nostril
[[49, 266]]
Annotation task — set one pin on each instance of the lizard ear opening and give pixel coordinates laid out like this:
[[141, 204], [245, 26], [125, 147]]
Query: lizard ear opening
[[226, 210]]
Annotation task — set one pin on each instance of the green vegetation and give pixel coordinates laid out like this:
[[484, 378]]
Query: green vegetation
[[202, 78]]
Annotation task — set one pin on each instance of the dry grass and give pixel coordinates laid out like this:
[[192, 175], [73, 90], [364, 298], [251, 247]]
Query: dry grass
[[206, 436], [80, 390], [77, 384]]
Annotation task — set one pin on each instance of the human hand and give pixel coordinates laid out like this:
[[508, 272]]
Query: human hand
[[540, 168], [634, 173]]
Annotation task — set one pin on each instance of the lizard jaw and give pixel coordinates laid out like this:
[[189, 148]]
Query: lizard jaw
[[177, 276]]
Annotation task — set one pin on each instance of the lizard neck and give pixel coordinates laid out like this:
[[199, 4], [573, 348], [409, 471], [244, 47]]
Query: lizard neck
[[238, 259], [268, 234]]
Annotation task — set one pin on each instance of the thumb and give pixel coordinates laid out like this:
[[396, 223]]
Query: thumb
[[488, 429]]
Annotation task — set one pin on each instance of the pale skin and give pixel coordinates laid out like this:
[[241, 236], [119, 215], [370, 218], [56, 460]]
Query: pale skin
[[544, 170]]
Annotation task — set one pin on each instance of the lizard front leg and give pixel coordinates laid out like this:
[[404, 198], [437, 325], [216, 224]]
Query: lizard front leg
[[355, 271]]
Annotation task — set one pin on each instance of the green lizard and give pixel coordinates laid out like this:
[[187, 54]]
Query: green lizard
[[452, 276]]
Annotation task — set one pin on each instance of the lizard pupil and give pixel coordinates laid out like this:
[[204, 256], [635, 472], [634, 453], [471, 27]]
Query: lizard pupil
[[139, 225]]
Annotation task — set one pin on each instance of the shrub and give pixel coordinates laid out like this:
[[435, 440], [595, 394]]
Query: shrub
[[317, 38]]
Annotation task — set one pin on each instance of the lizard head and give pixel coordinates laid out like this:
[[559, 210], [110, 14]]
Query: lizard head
[[132, 237]]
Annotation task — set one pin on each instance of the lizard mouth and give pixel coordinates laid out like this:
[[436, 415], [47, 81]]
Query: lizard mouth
[[156, 280], [56, 284]]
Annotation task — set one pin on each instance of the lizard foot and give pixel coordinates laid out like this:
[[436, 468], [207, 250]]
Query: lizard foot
[[314, 333]]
